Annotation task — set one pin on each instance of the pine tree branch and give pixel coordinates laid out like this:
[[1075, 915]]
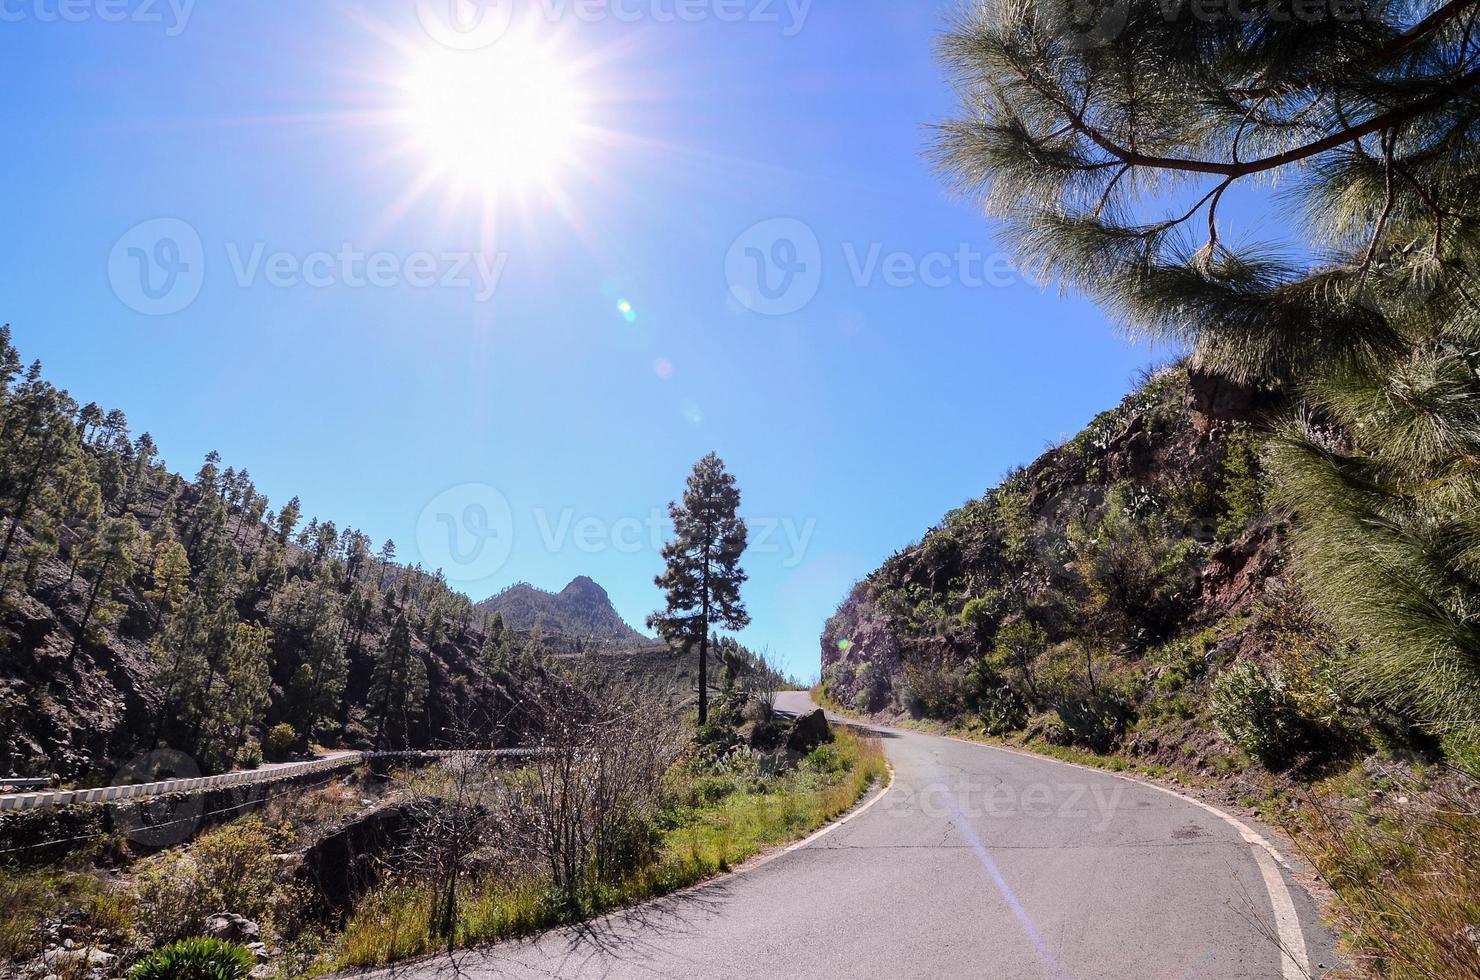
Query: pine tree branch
[[1429, 202], [1397, 45], [1235, 170]]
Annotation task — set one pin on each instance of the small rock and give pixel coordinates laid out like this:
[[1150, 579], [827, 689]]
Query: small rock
[[232, 928], [1472, 933], [259, 950]]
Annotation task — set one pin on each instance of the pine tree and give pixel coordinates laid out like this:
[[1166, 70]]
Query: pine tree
[[81, 509], [192, 648], [170, 575], [398, 688], [38, 445], [387, 559], [207, 476], [164, 525], [248, 678], [288, 519], [144, 453], [109, 561], [311, 619], [703, 575]]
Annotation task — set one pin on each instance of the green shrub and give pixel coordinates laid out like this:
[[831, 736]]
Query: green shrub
[[1095, 722], [1253, 711], [1001, 710], [869, 685], [826, 759], [1242, 495], [279, 741], [231, 867], [1015, 653], [982, 613], [197, 958]]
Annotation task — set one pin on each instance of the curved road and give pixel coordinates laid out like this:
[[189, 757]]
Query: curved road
[[976, 862]]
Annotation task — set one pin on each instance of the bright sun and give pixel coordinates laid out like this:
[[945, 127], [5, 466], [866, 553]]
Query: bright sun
[[504, 119]]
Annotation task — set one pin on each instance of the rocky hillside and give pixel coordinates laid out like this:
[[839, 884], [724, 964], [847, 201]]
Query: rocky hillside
[[141, 610], [581, 611], [1095, 595]]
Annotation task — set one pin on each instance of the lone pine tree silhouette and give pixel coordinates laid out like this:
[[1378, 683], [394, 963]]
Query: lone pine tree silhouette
[[703, 578]]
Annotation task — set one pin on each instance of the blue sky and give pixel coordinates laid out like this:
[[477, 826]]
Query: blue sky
[[897, 372]]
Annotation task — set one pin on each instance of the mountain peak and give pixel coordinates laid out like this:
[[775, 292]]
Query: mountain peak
[[583, 584], [580, 610]]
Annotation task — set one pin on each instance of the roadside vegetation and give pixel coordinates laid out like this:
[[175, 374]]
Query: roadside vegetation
[[628, 800]]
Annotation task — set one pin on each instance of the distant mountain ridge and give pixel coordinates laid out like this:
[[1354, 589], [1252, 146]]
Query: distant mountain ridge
[[581, 610]]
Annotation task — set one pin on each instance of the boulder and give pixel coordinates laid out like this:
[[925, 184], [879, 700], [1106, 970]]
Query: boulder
[[808, 732], [232, 928]]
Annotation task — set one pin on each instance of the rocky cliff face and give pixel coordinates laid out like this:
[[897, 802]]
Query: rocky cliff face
[[1147, 526]]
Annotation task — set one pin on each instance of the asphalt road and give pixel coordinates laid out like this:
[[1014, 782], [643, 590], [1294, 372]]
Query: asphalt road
[[976, 862]]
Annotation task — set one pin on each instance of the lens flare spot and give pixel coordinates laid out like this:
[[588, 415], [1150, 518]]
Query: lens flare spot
[[845, 645], [628, 313], [663, 369]]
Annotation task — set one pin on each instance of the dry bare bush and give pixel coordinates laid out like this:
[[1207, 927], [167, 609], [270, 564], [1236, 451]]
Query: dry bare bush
[[452, 817], [587, 806]]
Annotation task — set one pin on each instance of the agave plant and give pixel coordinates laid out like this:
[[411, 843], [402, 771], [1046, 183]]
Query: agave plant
[[197, 958]]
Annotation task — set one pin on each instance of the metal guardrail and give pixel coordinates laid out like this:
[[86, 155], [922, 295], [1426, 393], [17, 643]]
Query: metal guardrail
[[108, 794]]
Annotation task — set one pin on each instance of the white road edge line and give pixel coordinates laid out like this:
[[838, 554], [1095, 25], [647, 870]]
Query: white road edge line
[[824, 831], [1294, 957], [764, 859]]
